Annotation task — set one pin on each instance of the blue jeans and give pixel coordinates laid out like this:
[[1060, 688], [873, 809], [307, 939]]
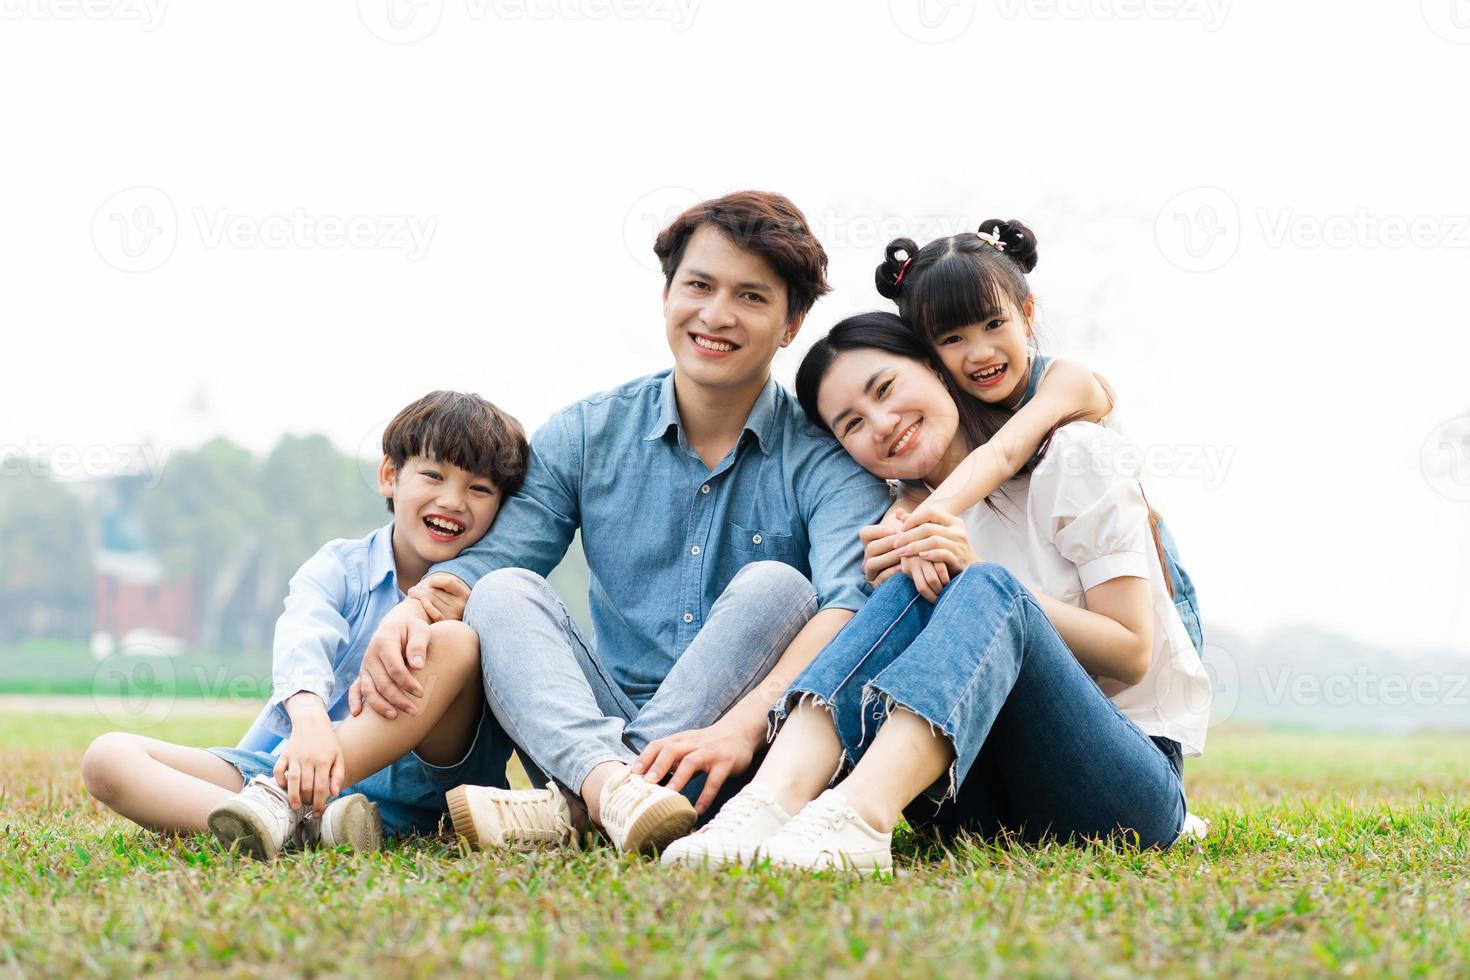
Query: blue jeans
[[1039, 750], [1185, 598], [555, 698], [410, 792]]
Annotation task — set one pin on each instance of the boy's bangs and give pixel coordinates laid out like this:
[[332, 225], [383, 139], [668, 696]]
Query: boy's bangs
[[455, 445], [958, 290]]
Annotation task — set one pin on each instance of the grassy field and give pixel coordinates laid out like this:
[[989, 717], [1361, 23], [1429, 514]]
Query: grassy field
[[1327, 855]]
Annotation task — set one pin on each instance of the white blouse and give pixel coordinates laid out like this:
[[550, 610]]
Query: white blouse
[[1078, 520]]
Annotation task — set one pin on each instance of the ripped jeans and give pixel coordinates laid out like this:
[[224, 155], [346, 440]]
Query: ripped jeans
[[1040, 751]]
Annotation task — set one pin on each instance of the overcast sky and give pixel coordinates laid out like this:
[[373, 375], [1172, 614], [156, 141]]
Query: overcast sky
[[1252, 218]]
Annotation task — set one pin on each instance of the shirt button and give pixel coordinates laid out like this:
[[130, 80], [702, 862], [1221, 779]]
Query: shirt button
[[694, 550], [756, 539], [689, 617], [704, 489]]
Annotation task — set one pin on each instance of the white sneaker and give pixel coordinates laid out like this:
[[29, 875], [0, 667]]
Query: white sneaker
[[746, 819], [258, 821], [828, 833], [352, 820], [640, 817], [514, 819], [1194, 827]]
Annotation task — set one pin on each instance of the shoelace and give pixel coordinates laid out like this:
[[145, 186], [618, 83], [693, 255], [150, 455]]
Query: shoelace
[[625, 798], [816, 821], [735, 810], [519, 815]]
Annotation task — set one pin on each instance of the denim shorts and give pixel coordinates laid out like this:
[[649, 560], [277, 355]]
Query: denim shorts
[[410, 792]]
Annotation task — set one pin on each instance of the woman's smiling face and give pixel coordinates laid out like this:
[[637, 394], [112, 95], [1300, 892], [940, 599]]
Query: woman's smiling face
[[989, 359], [892, 414]]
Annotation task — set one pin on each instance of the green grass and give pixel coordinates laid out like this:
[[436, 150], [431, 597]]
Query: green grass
[[1327, 855], [45, 666]]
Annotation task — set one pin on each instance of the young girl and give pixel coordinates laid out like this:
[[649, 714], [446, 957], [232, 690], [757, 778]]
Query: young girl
[[967, 297]]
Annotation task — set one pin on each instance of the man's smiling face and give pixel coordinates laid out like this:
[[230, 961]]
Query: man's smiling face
[[725, 313]]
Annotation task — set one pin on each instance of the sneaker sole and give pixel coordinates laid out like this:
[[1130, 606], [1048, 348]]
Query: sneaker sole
[[460, 816], [660, 825], [360, 827], [238, 828], [463, 820]]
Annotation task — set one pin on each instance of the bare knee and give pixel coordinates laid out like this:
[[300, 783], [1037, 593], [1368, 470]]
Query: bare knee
[[106, 761], [455, 645]]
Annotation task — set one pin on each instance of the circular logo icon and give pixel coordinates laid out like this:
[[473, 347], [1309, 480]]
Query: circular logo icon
[[1450, 19], [400, 21], [932, 21], [1199, 229], [135, 230], [369, 454], [1445, 459], [651, 214], [135, 687]]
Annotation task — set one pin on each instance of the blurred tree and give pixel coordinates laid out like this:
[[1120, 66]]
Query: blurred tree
[[204, 520], [312, 493], [45, 555]]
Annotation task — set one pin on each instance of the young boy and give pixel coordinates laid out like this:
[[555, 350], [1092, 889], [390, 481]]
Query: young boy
[[449, 460]]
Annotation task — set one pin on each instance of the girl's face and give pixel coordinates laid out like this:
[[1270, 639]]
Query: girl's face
[[892, 414], [989, 359]]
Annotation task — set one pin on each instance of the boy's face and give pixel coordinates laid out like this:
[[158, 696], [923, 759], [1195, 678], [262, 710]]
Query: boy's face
[[725, 313], [441, 509]]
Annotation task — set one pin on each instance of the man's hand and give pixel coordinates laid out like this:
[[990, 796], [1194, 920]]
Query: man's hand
[[721, 750], [385, 682], [442, 596], [310, 765]]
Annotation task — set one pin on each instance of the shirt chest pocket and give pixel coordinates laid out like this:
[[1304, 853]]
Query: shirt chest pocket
[[756, 543]]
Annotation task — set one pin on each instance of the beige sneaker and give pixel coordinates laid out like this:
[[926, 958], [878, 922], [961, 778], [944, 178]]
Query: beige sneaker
[[512, 819], [1194, 827], [640, 817], [257, 821], [732, 837], [352, 820], [828, 833]]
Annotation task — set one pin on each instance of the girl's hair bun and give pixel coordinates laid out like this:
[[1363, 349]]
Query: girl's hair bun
[[899, 251], [1019, 241]]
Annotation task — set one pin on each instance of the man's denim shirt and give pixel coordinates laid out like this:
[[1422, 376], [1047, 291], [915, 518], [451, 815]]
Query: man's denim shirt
[[663, 533], [334, 605]]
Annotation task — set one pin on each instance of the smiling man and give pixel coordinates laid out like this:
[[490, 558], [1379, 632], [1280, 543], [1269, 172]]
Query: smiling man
[[720, 528]]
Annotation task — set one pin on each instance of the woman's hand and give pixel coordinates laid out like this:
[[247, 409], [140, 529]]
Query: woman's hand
[[942, 540], [881, 560], [311, 766]]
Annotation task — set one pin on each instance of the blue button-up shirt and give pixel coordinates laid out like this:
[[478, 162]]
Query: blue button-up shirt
[[663, 533], [335, 603]]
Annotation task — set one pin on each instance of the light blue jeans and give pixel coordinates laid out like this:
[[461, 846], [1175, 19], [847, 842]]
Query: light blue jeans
[[1039, 749], [556, 700]]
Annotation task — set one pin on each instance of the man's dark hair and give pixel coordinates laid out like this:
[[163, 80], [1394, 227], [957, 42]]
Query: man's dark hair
[[761, 222], [461, 430]]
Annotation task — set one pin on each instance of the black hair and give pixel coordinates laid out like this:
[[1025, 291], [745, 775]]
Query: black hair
[[956, 281], [462, 430]]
